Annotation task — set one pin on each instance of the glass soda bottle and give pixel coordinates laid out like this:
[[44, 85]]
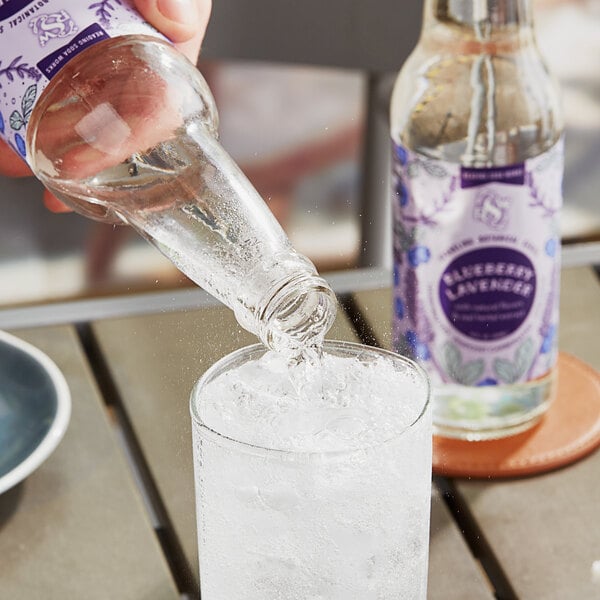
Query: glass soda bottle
[[123, 128], [477, 174]]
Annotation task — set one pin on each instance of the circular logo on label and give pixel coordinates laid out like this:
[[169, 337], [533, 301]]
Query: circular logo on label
[[487, 294]]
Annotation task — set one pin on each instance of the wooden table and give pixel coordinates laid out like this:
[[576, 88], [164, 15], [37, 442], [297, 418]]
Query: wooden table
[[110, 515]]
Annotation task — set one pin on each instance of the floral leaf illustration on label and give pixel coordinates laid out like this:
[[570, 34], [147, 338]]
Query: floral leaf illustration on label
[[434, 170], [19, 69], [19, 120], [16, 120], [463, 373], [511, 371], [538, 200], [413, 169], [504, 370], [524, 356], [472, 371], [440, 205], [103, 10], [28, 101]]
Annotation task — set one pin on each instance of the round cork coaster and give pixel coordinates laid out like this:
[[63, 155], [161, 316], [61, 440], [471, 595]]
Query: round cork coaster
[[569, 430]]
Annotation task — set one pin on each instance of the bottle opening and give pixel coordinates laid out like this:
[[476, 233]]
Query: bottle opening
[[298, 315]]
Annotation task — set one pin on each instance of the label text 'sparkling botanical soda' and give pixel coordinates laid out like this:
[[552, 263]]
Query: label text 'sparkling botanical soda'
[[477, 176]]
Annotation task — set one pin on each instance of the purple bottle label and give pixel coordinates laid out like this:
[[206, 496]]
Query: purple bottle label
[[39, 37], [477, 267]]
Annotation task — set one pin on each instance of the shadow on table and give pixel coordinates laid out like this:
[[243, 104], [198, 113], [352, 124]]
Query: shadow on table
[[9, 501]]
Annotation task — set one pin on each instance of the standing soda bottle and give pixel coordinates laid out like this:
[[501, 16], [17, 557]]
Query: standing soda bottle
[[477, 174], [121, 127]]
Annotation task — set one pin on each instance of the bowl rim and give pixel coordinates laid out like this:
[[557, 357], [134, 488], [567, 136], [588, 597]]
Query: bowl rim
[[59, 424]]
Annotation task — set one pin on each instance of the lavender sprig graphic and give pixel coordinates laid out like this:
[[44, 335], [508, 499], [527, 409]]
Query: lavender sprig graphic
[[547, 329], [430, 219], [537, 201], [431, 167], [104, 9], [19, 69]]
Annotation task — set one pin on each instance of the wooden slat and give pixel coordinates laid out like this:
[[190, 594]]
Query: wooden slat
[[543, 530], [580, 315], [155, 360], [77, 528], [453, 573]]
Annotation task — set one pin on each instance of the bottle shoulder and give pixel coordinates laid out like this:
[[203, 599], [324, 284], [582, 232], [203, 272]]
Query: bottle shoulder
[[105, 110], [503, 104]]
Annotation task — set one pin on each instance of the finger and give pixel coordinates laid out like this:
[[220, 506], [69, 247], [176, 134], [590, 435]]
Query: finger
[[191, 48], [10, 164], [182, 21], [53, 204], [106, 125]]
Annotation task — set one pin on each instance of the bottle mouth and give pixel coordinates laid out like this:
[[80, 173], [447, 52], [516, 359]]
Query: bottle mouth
[[298, 314]]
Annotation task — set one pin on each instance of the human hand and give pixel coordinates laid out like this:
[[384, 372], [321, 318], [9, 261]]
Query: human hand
[[182, 21]]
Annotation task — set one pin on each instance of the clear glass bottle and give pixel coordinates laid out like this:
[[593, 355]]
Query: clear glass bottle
[[125, 130], [477, 133]]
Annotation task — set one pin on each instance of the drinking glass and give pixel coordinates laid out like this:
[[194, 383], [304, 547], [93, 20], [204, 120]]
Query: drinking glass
[[335, 509]]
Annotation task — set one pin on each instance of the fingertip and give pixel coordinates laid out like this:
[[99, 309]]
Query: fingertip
[[10, 164], [179, 20], [53, 204]]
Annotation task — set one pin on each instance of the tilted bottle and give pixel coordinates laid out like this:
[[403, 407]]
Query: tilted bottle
[[123, 128], [477, 173]]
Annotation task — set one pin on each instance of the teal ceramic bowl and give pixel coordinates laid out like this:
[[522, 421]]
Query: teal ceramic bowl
[[35, 407]]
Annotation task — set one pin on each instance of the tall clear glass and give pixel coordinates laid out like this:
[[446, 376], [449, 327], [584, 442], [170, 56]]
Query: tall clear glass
[[298, 518]]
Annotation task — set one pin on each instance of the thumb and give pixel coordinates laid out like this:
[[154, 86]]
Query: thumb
[[182, 21]]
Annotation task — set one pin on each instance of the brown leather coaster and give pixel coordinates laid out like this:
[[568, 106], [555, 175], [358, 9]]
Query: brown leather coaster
[[569, 430]]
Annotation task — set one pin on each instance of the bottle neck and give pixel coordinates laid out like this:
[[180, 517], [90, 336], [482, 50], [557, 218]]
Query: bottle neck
[[479, 14], [479, 26]]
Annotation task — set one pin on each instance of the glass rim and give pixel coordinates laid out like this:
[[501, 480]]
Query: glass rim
[[255, 350]]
